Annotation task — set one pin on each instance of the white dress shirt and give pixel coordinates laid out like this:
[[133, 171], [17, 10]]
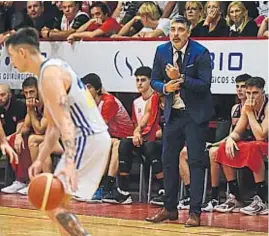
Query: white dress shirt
[[178, 102]]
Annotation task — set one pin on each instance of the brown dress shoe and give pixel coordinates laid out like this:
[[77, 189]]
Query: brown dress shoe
[[193, 221], [162, 215]]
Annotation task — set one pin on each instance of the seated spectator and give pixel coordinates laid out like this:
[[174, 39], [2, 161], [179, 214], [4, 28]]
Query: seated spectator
[[194, 14], [263, 30], [145, 116], [127, 12], [12, 114], [150, 16], [246, 146], [71, 20], [119, 126], [100, 24], [35, 123], [240, 23], [213, 200], [39, 18], [12, 16], [4, 8], [213, 25]]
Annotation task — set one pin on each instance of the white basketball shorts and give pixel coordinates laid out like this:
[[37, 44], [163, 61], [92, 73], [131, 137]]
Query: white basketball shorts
[[92, 153]]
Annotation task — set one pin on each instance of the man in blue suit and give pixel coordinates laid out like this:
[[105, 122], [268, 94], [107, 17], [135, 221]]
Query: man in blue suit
[[182, 72]]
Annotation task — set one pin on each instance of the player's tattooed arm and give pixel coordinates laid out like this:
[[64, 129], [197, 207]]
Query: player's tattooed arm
[[67, 133], [53, 90], [71, 224]]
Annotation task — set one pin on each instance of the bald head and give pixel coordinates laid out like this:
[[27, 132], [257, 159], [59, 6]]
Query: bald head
[[5, 95], [5, 88]]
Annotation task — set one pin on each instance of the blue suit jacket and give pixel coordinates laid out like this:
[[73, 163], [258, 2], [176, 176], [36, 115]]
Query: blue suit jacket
[[195, 91]]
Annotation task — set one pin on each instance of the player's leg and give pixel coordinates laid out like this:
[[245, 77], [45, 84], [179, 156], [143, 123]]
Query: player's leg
[[153, 153], [232, 203], [113, 168], [47, 164], [34, 140], [215, 173], [67, 222], [259, 205], [184, 171], [90, 162]]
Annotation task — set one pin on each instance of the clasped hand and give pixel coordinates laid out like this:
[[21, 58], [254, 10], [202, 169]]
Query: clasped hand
[[249, 105]]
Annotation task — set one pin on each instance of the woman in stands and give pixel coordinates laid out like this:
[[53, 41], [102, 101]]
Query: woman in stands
[[214, 24], [194, 14], [240, 23]]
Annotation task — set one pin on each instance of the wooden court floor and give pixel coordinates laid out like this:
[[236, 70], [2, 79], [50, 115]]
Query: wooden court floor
[[17, 217]]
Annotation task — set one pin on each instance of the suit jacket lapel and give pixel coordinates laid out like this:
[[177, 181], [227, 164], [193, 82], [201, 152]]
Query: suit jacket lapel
[[170, 53], [186, 57]]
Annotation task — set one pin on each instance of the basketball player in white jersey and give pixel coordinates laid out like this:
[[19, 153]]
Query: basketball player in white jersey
[[73, 117]]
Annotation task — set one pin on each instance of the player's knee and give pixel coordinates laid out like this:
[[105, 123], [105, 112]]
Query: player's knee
[[156, 166], [125, 146], [212, 155], [32, 140], [124, 166]]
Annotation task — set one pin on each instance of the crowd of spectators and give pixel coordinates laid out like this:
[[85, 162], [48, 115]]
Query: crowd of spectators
[[140, 133], [76, 20]]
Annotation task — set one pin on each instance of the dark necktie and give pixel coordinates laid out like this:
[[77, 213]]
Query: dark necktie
[[179, 60]]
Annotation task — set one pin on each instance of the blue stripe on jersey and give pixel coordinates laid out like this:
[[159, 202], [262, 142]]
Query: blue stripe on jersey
[[78, 145], [79, 123], [84, 118], [83, 145], [76, 123]]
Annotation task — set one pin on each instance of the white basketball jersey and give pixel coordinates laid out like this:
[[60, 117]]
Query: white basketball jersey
[[84, 112]]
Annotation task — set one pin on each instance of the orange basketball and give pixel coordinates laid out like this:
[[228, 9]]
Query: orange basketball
[[46, 192]]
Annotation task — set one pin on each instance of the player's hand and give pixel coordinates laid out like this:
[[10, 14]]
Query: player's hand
[[172, 71], [70, 174], [7, 150], [35, 169], [172, 86], [19, 143], [32, 103], [249, 105], [230, 147], [137, 139]]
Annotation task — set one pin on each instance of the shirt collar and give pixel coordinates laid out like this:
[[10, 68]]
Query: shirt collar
[[182, 50], [236, 29]]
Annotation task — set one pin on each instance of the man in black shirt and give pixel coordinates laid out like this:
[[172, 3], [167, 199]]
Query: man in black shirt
[[12, 114], [71, 20], [38, 16]]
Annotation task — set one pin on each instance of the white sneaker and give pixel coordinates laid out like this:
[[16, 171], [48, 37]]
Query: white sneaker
[[230, 205], [257, 207], [23, 191], [14, 188], [184, 204], [209, 206], [79, 199]]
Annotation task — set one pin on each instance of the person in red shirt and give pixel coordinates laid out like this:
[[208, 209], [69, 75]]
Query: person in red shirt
[[118, 120], [100, 24]]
